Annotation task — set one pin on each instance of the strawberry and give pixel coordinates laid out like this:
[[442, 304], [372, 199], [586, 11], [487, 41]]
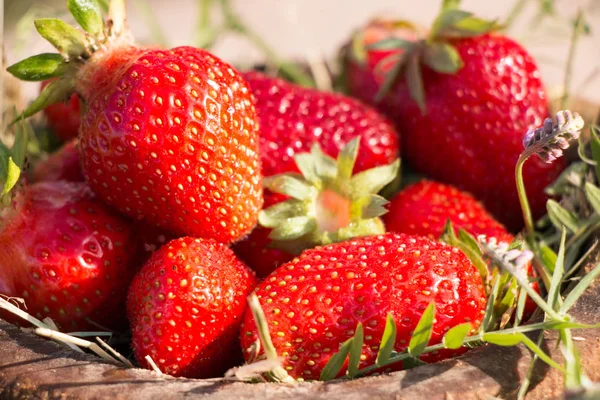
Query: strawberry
[[424, 207], [463, 102], [64, 164], [64, 118], [168, 136], [185, 308], [293, 119], [325, 204], [314, 303], [66, 254]]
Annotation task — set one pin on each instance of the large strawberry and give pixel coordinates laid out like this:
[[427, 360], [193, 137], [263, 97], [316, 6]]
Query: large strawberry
[[168, 136], [64, 164], [292, 120], [64, 118], [186, 305], [326, 204], [66, 254], [462, 99], [314, 303]]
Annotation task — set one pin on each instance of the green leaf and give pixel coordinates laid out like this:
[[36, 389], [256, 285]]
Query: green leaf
[[355, 351], [512, 339], [57, 91], [13, 172], [347, 158], [375, 207], [521, 301], [592, 193], [391, 43], [336, 362], [373, 180], [293, 228], [572, 176], [274, 215], [391, 75], [561, 217], [595, 147], [414, 81], [39, 68], [453, 339], [468, 245], [422, 333], [488, 318], [559, 271], [290, 185], [442, 57], [573, 373], [548, 257], [87, 13], [578, 290], [19, 149], [68, 41], [388, 340], [447, 4], [453, 23]]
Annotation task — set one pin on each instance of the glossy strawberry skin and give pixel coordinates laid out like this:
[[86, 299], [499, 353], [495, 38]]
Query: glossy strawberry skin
[[292, 118], [476, 119], [185, 307], [68, 255], [62, 165], [424, 207], [314, 303], [64, 118], [171, 137]]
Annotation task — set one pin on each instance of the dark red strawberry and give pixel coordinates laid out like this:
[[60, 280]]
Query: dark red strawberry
[[150, 238], [63, 165], [67, 255], [168, 136], [64, 118], [314, 303], [480, 95], [185, 308], [424, 208]]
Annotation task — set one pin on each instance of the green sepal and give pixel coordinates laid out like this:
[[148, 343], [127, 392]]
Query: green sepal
[[293, 228], [414, 81], [57, 91], [468, 245], [358, 52], [325, 166], [272, 216], [88, 15], [70, 42], [453, 23], [13, 172], [347, 159], [374, 206], [306, 165], [292, 185], [374, 179], [391, 76], [442, 57], [365, 227], [392, 43], [39, 68]]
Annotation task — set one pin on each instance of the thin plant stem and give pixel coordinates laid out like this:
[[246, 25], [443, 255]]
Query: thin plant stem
[[527, 379], [527, 216], [515, 12], [577, 31]]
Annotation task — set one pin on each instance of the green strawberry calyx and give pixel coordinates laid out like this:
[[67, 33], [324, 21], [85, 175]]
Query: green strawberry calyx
[[74, 47], [436, 51], [328, 203]]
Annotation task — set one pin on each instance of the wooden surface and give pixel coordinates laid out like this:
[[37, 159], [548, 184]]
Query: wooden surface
[[34, 368]]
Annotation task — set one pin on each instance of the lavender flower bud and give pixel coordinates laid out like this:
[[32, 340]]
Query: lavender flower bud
[[549, 141]]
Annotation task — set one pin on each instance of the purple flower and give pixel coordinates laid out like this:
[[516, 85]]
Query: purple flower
[[549, 141]]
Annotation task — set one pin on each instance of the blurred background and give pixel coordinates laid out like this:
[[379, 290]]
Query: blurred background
[[315, 29]]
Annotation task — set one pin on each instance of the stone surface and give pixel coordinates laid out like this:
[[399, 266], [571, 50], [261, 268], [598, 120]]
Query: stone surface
[[34, 368]]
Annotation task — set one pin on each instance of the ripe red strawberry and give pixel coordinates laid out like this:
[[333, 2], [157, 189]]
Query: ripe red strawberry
[[168, 136], [424, 207], [314, 303], [67, 255], [481, 95], [64, 118], [185, 308], [63, 165], [294, 118]]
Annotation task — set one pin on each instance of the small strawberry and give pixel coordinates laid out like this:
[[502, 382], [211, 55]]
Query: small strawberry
[[168, 136], [424, 208], [64, 118], [185, 308], [66, 254], [462, 99], [314, 303], [326, 204], [63, 165]]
